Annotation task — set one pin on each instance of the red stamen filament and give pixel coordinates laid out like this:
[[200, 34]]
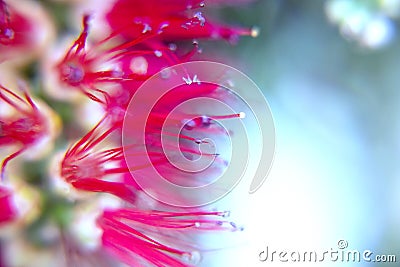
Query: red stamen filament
[[24, 130]]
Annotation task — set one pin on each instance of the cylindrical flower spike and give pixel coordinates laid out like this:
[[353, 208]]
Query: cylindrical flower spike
[[110, 71]]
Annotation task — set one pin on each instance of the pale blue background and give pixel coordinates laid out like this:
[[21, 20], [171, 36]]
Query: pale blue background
[[336, 110]]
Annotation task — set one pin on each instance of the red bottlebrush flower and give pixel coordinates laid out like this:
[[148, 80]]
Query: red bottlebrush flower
[[24, 126], [178, 19], [125, 63], [7, 211], [137, 237], [86, 169]]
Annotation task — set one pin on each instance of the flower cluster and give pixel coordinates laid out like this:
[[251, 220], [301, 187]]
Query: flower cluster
[[106, 69]]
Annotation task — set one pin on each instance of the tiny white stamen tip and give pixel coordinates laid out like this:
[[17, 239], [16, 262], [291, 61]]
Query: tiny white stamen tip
[[193, 257], [172, 46], [255, 31], [195, 42], [164, 25], [242, 115], [146, 28], [157, 53]]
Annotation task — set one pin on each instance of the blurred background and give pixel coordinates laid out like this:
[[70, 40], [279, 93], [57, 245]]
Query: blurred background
[[330, 72]]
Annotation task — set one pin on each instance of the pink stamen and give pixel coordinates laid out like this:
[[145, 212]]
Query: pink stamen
[[84, 167], [130, 233]]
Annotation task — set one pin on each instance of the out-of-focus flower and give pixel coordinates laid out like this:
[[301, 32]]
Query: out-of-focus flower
[[25, 29], [23, 123], [7, 210]]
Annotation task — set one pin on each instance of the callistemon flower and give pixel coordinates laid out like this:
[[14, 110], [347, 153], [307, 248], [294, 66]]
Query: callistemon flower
[[24, 30], [7, 211], [161, 238], [110, 71], [181, 19], [23, 123]]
